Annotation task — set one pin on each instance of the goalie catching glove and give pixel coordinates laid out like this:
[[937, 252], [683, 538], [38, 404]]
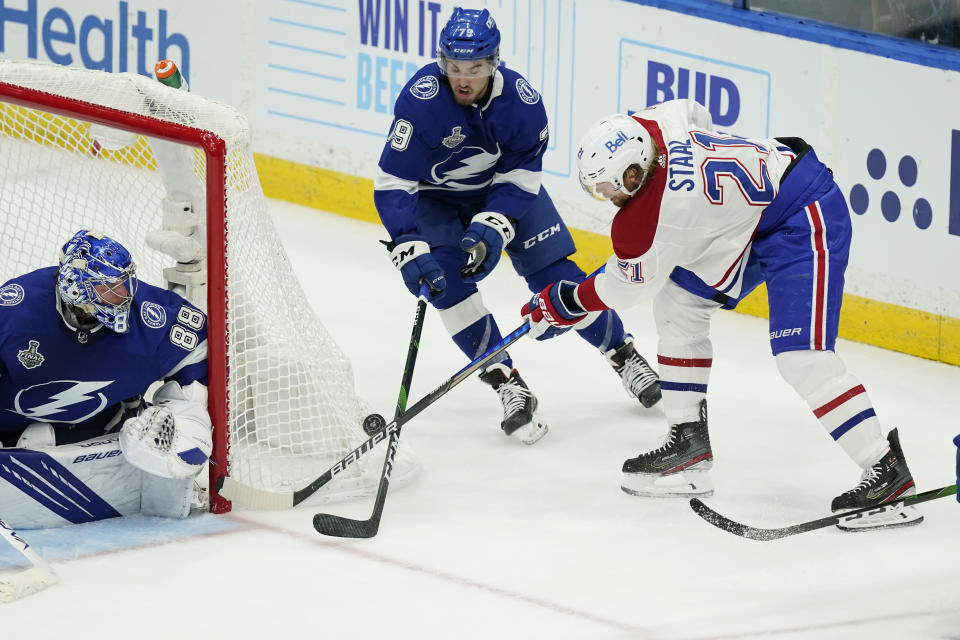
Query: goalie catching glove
[[172, 438], [554, 310]]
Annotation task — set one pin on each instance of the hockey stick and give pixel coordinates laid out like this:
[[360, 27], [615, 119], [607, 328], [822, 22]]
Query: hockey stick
[[340, 526], [754, 533], [265, 499], [29, 581]]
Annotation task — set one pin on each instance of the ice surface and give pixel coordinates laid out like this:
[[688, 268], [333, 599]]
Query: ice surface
[[494, 539]]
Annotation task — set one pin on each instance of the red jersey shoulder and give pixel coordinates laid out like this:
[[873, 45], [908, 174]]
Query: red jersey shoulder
[[635, 225]]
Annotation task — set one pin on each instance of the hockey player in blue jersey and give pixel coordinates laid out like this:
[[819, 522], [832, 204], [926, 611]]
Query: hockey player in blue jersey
[[459, 182], [80, 344]]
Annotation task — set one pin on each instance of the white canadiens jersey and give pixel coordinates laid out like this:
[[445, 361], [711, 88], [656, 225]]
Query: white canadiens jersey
[[699, 210]]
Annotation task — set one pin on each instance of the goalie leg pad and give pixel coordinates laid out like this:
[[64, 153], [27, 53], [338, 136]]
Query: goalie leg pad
[[84, 482], [167, 497], [68, 484]]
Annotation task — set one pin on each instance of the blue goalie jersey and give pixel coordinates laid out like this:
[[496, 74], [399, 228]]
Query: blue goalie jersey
[[491, 152], [52, 373]]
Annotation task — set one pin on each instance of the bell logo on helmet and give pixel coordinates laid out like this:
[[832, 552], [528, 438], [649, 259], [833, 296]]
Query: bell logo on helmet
[[616, 143]]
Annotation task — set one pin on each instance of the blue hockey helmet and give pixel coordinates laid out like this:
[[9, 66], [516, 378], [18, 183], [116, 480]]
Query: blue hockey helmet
[[98, 276], [470, 34]]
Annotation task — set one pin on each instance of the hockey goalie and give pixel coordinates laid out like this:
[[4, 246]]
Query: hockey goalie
[[81, 342]]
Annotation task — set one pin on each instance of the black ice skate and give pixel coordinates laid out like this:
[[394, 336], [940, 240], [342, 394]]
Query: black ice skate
[[678, 468], [888, 479], [638, 378], [519, 404]]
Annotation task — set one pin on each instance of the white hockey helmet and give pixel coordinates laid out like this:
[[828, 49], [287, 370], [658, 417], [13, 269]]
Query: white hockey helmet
[[607, 149]]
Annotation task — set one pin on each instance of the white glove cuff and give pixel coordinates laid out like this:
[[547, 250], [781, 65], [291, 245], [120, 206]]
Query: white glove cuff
[[497, 222], [407, 251]]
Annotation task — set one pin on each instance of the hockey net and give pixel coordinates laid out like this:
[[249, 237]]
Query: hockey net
[[282, 395]]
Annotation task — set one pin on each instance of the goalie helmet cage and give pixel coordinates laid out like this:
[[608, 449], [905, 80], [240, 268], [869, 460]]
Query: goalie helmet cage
[[282, 396]]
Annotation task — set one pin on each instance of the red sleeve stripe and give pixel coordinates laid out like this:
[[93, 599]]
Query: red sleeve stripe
[[685, 362], [839, 400], [587, 294]]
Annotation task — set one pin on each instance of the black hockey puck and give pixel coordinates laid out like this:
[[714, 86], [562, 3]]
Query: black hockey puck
[[373, 423]]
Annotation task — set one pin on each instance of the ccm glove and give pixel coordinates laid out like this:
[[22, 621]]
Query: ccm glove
[[554, 310], [484, 240], [410, 254]]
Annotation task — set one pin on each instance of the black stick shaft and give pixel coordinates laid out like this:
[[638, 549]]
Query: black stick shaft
[[340, 526]]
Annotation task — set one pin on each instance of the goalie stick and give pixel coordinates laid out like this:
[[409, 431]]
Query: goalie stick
[[29, 581], [340, 526], [265, 499], [755, 533]]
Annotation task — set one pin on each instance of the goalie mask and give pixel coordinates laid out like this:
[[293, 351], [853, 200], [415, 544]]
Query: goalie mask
[[606, 151], [98, 277], [469, 35]]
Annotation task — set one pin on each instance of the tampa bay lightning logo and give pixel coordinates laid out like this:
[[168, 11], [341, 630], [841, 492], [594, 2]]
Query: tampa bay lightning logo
[[11, 295], [527, 93], [68, 401], [153, 315], [466, 168], [425, 88]]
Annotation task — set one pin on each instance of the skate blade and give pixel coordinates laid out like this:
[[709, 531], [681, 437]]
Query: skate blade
[[902, 517], [676, 485], [531, 432]]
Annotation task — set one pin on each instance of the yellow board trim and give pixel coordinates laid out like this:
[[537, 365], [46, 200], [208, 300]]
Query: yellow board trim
[[889, 326]]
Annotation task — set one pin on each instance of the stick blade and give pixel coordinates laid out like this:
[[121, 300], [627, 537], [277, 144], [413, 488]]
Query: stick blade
[[340, 527], [731, 526], [25, 583], [252, 497]]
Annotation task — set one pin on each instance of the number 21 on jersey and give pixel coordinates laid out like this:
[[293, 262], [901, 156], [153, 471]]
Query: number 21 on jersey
[[758, 191]]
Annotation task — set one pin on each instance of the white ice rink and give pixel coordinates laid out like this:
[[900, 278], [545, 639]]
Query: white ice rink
[[494, 539]]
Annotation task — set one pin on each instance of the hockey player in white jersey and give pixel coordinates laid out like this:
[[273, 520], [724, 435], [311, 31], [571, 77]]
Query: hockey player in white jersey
[[704, 217], [80, 344], [459, 183]]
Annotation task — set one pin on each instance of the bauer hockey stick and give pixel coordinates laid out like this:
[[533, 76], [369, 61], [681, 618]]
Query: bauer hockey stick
[[340, 526], [754, 533], [265, 499], [29, 581]]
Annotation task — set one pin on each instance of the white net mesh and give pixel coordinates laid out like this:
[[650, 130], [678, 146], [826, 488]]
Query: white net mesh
[[291, 406]]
